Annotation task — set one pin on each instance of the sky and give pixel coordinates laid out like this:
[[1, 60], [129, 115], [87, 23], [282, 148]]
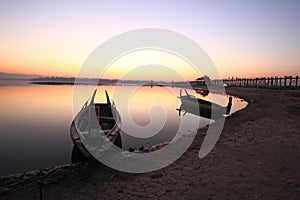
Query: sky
[[243, 38]]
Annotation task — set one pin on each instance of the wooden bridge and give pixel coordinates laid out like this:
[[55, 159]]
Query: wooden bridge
[[286, 81]]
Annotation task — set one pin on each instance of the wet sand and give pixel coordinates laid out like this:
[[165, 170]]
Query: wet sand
[[256, 157]]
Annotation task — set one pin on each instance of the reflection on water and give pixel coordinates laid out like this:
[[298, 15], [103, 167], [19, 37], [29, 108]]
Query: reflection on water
[[150, 117], [35, 121]]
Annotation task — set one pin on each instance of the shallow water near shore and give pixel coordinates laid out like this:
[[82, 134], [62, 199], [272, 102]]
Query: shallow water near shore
[[35, 121]]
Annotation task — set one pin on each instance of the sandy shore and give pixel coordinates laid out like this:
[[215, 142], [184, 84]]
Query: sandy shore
[[256, 157]]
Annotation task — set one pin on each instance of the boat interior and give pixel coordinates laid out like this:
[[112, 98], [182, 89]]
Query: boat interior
[[103, 117]]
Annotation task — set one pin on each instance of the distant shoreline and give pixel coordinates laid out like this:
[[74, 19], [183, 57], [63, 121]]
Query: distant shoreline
[[72, 83], [51, 83]]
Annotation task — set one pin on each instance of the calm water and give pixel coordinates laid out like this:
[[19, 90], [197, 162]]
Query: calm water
[[35, 121]]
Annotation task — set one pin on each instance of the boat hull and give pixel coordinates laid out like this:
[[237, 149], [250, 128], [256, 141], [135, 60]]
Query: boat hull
[[201, 107], [93, 139]]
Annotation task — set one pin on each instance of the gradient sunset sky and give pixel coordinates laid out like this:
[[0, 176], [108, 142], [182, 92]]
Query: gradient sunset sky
[[243, 38]]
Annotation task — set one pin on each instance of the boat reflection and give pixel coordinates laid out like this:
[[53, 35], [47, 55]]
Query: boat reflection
[[202, 92], [201, 107]]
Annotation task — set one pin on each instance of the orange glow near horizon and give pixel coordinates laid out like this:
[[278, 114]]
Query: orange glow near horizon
[[151, 65], [60, 58], [56, 57]]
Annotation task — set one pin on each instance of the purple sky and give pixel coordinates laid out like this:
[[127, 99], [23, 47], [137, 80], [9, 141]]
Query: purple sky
[[243, 38]]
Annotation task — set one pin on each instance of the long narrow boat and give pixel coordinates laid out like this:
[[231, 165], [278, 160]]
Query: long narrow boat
[[202, 107], [96, 127]]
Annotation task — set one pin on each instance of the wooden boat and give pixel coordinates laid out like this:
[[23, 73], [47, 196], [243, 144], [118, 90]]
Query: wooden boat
[[202, 92], [96, 127], [202, 107]]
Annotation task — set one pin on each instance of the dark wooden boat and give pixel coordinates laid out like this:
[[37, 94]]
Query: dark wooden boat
[[201, 107], [96, 127], [202, 92]]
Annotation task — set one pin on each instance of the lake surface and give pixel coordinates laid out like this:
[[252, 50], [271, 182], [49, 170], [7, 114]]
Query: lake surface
[[35, 121]]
